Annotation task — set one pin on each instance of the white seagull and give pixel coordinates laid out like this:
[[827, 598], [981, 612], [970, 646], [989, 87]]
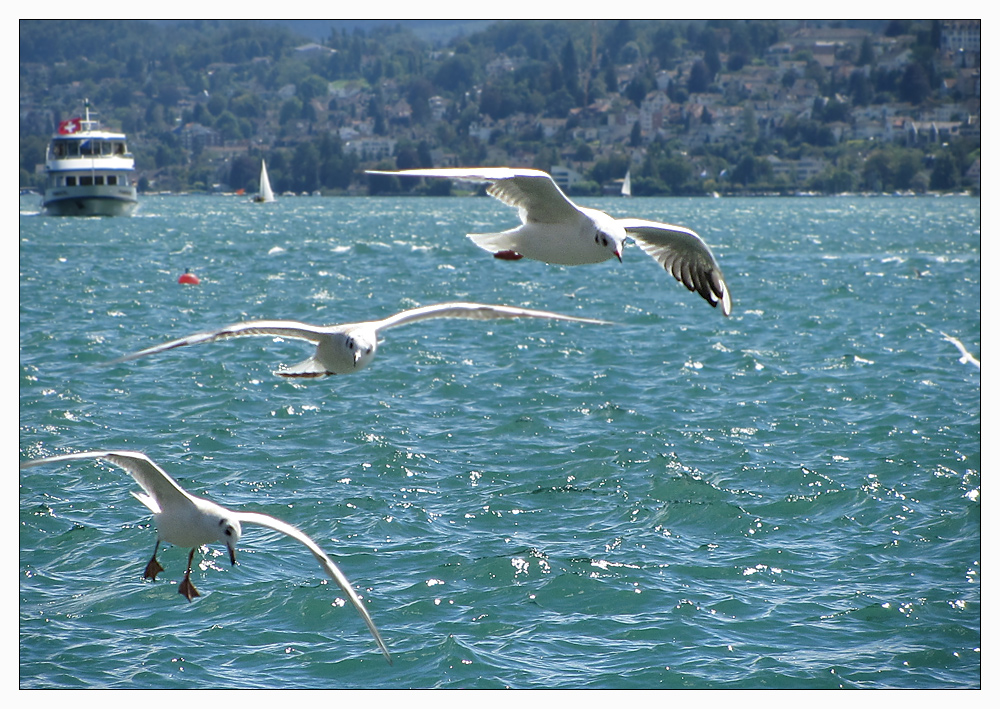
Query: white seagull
[[555, 230], [967, 357], [348, 348], [191, 522]]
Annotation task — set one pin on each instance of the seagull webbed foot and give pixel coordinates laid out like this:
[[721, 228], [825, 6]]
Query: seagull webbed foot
[[152, 569], [187, 589]]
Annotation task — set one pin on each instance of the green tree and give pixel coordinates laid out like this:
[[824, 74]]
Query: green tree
[[675, 171], [571, 72], [896, 28], [33, 148], [243, 172], [866, 54], [861, 88], [748, 121], [291, 109], [583, 153], [836, 181], [621, 34], [247, 105], [635, 138], [908, 166], [745, 172], [711, 55], [559, 104], [914, 85], [455, 74], [229, 126], [610, 77], [664, 49], [699, 78], [305, 178], [406, 157], [639, 87], [418, 94], [311, 87], [216, 105], [945, 175], [877, 171], [610, 168]]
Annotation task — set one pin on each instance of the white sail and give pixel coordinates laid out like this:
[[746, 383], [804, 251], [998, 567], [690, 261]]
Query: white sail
[[265, 194], [627, 184]]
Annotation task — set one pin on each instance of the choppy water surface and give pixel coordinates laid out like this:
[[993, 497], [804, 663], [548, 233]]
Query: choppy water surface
[[788, 497]]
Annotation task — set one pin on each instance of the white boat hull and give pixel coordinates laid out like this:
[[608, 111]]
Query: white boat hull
[[90, 201]]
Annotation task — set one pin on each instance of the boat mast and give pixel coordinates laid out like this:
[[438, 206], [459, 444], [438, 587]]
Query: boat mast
[[86, 122]]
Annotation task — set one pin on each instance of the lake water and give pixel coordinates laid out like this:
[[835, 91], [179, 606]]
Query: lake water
[[785, 498]]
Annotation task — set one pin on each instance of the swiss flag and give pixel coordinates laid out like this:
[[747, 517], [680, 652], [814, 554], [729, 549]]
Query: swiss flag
[[69, 127]]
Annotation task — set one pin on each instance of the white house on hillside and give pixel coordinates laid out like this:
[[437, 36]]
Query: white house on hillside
[[565, 177]]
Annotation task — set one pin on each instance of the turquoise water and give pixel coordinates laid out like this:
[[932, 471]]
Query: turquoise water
[[785, 498]]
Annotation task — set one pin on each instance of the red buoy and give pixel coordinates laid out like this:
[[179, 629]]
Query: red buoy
[[188, 277]]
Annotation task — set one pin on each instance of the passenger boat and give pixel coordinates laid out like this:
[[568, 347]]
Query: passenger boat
[[89, 171]]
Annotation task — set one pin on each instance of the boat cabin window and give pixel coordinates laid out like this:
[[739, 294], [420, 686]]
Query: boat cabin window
[[71, 181], [112, 179], [99, 180], [66, 148], [88, 147], [86, 180]]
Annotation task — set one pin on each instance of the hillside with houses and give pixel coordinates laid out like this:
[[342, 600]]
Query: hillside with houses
[[735, 107]]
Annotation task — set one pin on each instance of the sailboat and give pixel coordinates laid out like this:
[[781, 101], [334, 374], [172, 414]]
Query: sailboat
[[627, 184], [265, 194]]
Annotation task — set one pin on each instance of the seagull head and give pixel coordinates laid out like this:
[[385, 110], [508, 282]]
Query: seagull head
[[608, 233], [361, 346], [229, 534], [347, 350], [611, 241]]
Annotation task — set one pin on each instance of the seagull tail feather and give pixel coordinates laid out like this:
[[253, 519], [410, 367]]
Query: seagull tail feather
[[306, 368], [499, 241]]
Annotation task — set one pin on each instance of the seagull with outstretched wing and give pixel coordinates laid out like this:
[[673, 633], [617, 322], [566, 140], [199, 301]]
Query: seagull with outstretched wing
[[191, 522], [555, 230], [349, 348]]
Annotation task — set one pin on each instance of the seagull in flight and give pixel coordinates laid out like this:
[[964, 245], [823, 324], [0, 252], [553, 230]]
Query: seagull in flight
[[192, 522], [555, 230], [348, 348], [967, 357]]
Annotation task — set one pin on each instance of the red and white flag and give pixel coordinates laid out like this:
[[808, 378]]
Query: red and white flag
[[69, 127]]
